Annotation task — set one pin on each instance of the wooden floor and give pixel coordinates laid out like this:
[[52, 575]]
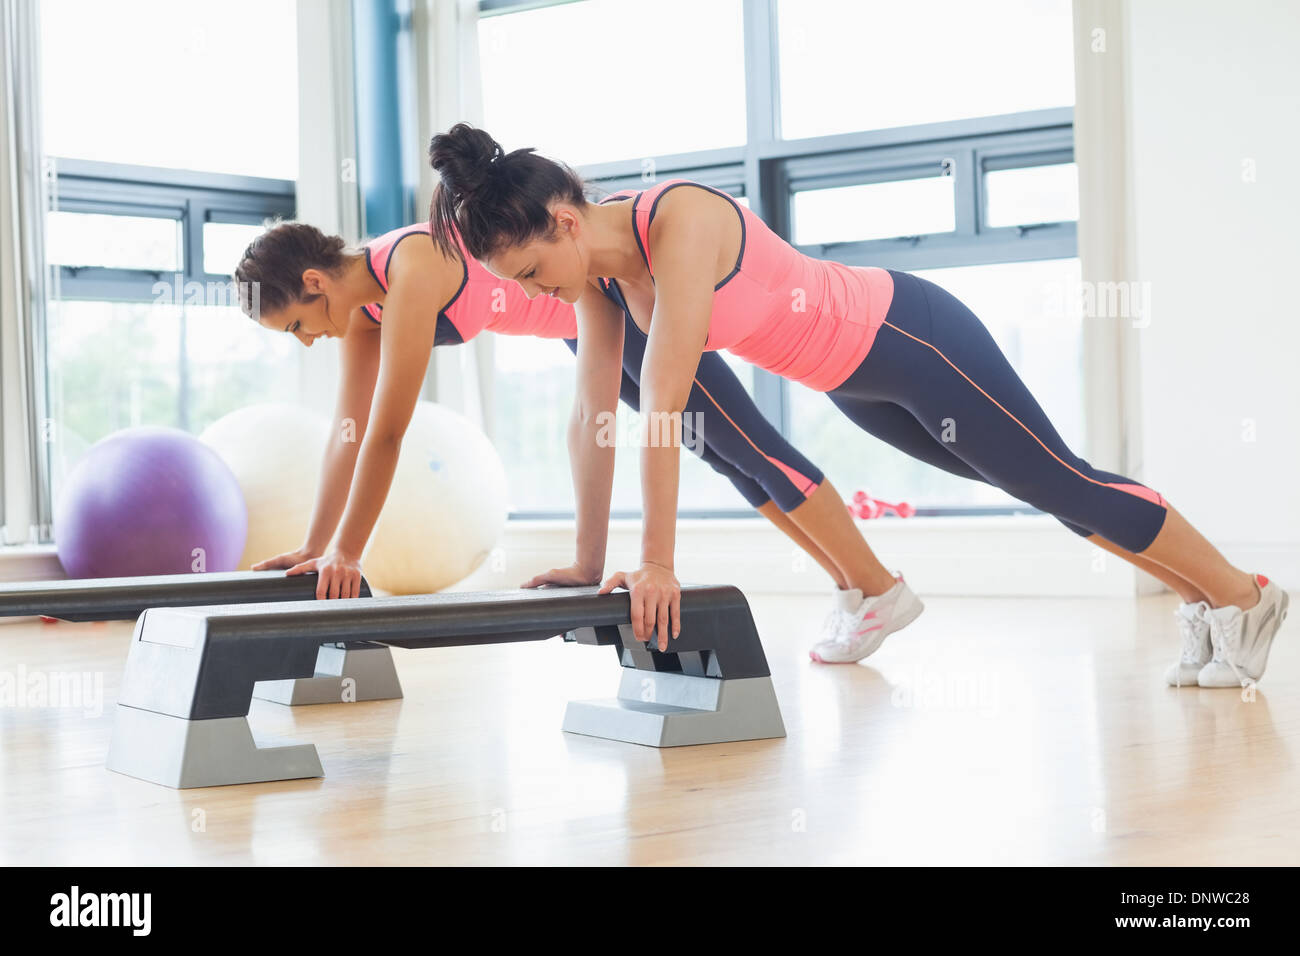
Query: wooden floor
[[1030, 731]]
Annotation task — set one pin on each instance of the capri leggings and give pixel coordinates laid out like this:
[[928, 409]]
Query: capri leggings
[[936, 386], [730, 434]]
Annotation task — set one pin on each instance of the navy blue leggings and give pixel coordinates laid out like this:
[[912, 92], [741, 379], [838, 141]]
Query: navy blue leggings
[[731, 434], [936, 386]]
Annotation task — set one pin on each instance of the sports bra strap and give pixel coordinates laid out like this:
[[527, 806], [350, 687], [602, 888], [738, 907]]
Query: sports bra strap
[[646, 204]]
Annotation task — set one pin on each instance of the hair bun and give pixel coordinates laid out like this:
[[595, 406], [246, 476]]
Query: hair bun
[[488, 199], [466, 158]]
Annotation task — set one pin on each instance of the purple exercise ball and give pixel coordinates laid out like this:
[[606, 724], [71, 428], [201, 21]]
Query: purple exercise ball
[[149, 501]]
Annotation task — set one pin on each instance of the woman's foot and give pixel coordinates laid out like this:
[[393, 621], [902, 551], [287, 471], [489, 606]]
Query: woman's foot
[[1241, 639], [1194, 633], [843, 602], [858, 626]]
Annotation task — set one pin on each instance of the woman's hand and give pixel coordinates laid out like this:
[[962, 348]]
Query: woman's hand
[[656, 601], [574, 576], [287, 560], [340, 574]]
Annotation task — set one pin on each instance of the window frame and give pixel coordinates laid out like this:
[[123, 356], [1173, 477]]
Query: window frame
[[189, 198], [192, 199]]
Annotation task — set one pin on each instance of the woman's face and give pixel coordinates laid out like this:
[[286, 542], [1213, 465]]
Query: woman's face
[[310, 318], [555, 265]]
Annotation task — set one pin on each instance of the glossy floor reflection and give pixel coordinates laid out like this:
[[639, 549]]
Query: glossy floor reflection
[[1032, 731]]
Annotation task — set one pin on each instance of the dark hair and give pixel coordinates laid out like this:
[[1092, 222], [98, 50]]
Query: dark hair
[[274, 262], [494, 198]]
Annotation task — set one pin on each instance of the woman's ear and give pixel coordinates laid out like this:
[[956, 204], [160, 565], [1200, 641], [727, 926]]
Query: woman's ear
[[313, 282], [567, 219]]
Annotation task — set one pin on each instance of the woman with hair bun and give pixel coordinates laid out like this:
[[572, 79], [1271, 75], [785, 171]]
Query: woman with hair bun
[[901, 357]]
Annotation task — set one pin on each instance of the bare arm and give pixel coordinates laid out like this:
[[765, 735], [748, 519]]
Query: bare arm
[[423, 281], [358, 372], [591, 426], [686, 240], [684, 266]]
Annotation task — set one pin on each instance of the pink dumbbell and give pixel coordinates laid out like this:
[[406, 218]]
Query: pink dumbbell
[[865, 506]]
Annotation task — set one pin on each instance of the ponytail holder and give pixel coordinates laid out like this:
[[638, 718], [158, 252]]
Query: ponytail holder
[[491, 172]]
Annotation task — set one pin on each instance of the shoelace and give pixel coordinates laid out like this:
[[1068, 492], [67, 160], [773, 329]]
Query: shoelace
[[1191, 645], [849, 632], [1226, 642], [834, 625], [865, 612]]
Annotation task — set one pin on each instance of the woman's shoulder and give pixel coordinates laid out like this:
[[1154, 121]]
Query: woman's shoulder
[[687, 199], [680, 214], [412, 247]]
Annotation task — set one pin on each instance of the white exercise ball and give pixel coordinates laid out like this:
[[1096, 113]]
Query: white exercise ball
[[446, 508], [275, 450]]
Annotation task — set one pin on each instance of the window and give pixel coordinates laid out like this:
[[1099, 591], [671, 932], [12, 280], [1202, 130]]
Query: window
[[532, 399], [905, 207], [848, 65], [224, 244], [173, 85], [119, 364], [173, 136], [931, 155], [89, 240], [537, 65], [1032, 194]]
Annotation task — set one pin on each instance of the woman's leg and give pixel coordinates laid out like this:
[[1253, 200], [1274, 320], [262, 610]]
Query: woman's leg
[[1183, 550], [825, 520], [1185, 589], [937, 360], [792, 531], [894, 424]]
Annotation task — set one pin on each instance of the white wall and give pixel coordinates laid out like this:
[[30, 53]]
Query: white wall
[[1213, 88]]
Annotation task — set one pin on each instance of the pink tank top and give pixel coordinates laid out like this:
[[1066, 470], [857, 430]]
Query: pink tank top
[[809, 320], [483, 303]]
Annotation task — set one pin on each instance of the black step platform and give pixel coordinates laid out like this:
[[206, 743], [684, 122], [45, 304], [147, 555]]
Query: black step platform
[[125, 599], [181, 718]]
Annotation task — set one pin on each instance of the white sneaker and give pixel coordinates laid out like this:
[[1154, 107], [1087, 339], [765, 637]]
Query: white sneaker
[[859, 630], [1194, 630], [843, 603], [1241, 639]]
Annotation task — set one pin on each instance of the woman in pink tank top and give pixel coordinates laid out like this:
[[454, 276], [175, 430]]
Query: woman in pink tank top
[[310, 285], [897, 354]]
